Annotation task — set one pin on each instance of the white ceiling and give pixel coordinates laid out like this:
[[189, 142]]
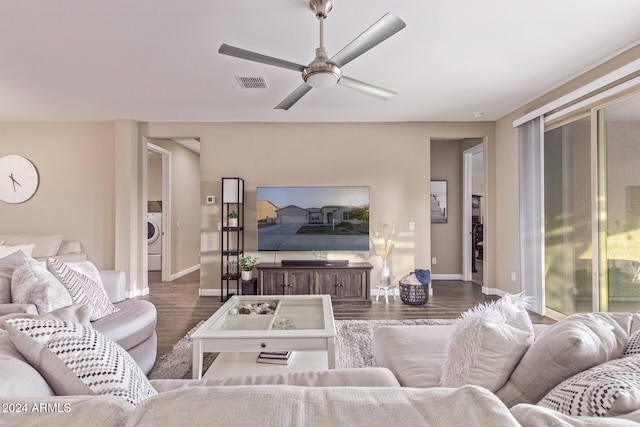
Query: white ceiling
[[152, 60]]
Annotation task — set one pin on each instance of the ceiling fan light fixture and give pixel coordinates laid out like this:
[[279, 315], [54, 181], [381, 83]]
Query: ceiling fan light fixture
[[323, 78], [320, 73]]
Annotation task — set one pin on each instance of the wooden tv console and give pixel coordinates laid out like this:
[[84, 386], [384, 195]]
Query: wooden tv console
[[346, 283]]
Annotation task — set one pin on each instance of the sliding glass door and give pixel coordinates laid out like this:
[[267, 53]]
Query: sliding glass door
[[619, 179], [567, 209], [592, 210]]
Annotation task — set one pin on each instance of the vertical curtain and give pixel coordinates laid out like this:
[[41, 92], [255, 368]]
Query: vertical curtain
[[531, 156]]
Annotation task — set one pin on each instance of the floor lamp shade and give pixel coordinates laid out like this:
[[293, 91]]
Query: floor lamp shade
[[232, 190]]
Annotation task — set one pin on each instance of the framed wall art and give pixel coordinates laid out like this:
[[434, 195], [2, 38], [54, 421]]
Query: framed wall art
[[439, 211]]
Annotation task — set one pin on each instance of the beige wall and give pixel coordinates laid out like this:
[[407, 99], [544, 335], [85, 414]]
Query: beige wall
[[75, 197], [504, 256], [393, 159]]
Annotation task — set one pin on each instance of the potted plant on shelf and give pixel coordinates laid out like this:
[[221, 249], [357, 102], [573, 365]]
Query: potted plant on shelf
[[247, 264], [233, 219]]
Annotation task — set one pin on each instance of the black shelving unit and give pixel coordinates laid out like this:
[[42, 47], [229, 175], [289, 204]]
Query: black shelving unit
[[232, 236]]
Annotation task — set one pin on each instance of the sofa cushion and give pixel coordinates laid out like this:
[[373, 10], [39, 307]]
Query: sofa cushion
[[8, 265], [78, 360], [572, 345], [284, 405], [85, 288], [132, 324], [487, 343], [32, 283], [415, 354], [608, 389], [45, 245], [19, 378], [114, 282], [8, 250], [69, 248]]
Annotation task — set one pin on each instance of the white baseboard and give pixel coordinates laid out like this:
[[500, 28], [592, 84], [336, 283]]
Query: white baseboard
[[493, 291], [137, 293], [184, 272], [210, 292], [446, 277]]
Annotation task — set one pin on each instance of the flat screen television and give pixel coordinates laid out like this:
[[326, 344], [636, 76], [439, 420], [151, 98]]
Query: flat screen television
[[334, 218]]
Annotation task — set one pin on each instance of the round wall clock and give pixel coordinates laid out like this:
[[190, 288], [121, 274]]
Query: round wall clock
[[18, 179]]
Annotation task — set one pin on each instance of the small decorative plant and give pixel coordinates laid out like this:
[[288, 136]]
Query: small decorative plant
[[247, 263], [233, 219]]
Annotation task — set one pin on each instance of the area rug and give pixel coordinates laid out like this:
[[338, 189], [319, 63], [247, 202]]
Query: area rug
[[353, 347]]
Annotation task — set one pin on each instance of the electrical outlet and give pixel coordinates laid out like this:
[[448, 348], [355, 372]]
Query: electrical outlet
[[211, 200], [434, 260]]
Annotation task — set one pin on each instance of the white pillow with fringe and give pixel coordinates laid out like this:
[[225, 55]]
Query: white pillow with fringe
[[487, 344]]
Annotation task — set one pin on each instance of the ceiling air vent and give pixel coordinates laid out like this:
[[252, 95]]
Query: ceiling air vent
[[252, 82]]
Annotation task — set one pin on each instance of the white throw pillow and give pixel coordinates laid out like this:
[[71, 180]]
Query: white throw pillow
[[8, 265], [31, 283], [84, 288], [609, 389], [570, 346], [487, 343], [8, 250], [78, 360]]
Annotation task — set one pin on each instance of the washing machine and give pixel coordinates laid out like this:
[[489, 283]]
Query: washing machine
[[154, 241]]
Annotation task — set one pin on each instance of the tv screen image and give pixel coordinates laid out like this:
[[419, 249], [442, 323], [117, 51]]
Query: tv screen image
[[334, 218]]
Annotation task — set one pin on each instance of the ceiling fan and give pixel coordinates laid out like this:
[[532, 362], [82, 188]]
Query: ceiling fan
[[325, 72]]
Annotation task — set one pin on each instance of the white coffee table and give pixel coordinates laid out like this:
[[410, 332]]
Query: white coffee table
[[302, 323]]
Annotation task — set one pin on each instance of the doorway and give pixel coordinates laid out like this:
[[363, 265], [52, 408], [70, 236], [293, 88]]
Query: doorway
[[474, 214], [157, 201]]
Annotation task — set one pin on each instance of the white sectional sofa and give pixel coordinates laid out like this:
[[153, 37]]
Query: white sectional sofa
[[133, 326], [587, 364], [354, 397], [49, 375]]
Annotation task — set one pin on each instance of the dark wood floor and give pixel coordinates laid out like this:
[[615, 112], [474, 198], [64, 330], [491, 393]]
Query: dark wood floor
[[180, 307]]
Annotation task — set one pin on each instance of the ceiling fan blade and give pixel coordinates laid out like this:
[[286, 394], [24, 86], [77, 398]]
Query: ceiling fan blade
[[225, 49], [293, 97], [384, 28], [366, 88]]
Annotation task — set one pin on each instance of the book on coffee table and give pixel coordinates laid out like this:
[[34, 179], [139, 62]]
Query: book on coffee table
[[275, 357]]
